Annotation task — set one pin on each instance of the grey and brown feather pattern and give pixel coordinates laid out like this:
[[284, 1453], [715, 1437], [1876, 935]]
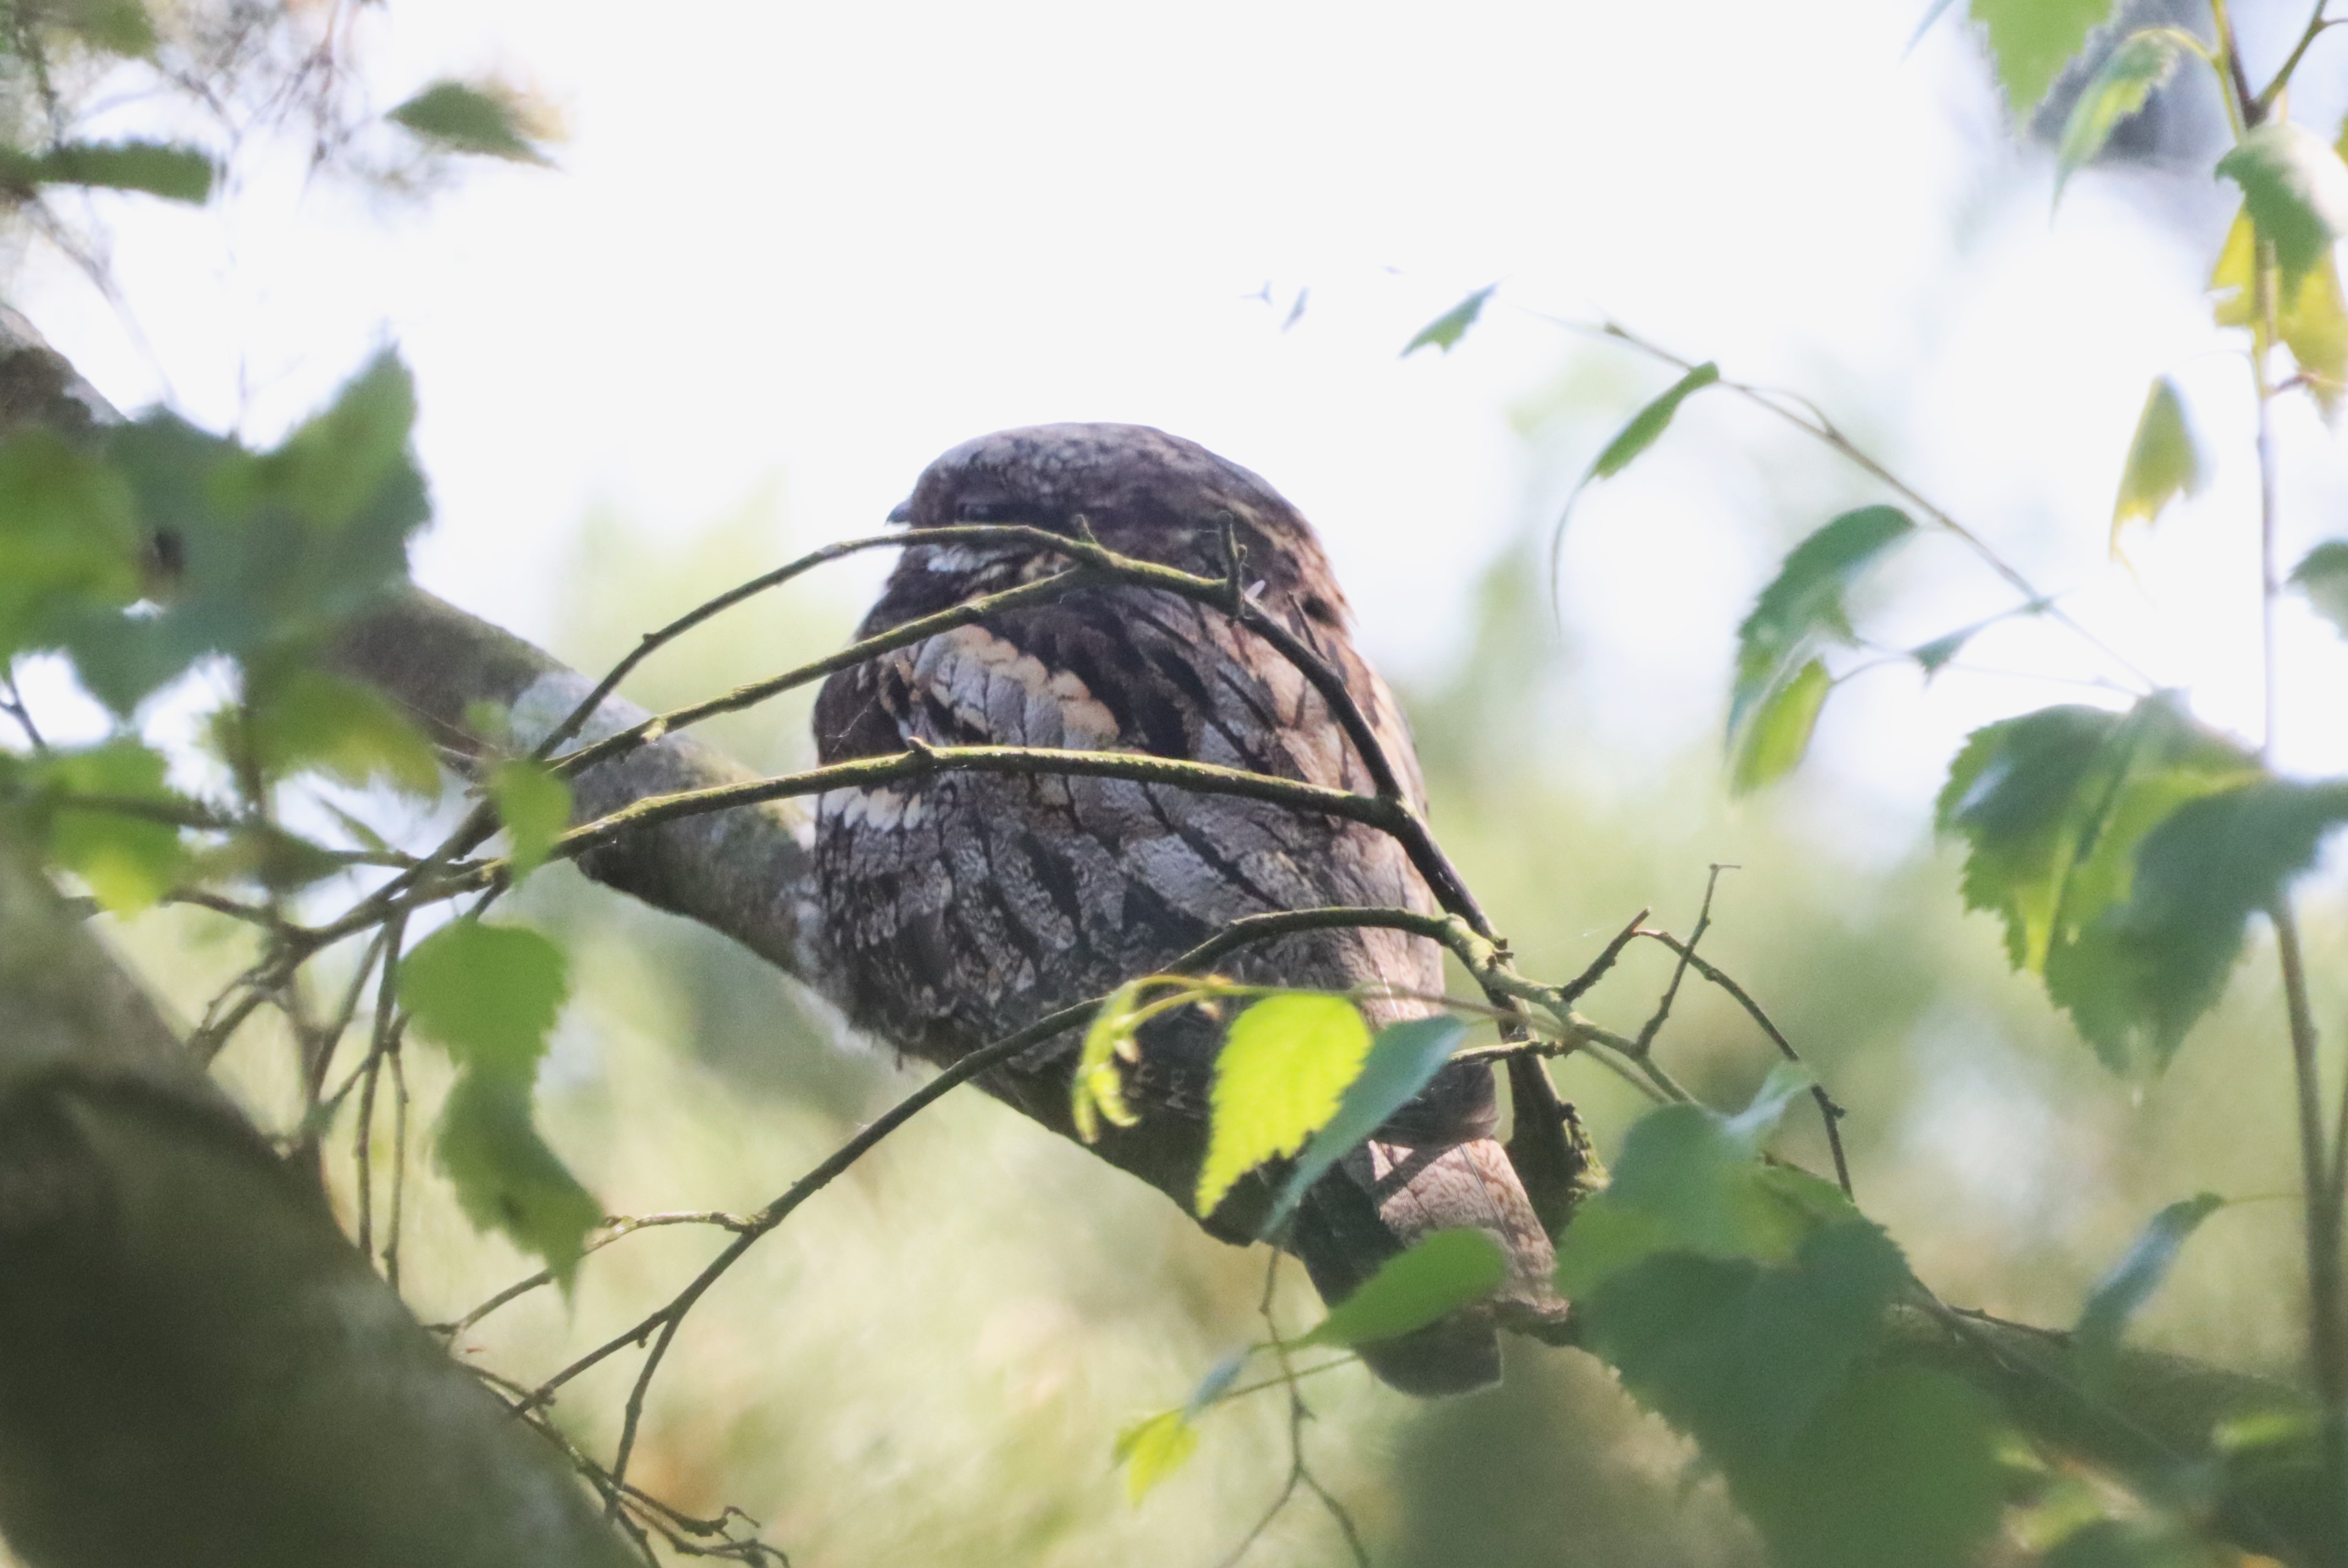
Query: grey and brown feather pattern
[[964, 906]]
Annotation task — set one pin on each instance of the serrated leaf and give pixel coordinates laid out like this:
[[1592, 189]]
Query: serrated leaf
[[2163, 461], [1776, 736], [129, 861], [1805, 604], [1452, 325], [506, 1176], [1097, 1091], [159, 169], [2144, 972], [297, 718], [2323, 576], [1647, 426], [1403, 1060], [1279, 1076], [2122, 1291], [464, 118], [2128, 76], [1153, 1448], [1441, 1273], [2295, 189], [534, 804], [489, 994], [2032, 40]]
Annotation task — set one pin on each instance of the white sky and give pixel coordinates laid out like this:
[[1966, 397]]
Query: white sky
[[822, 243]]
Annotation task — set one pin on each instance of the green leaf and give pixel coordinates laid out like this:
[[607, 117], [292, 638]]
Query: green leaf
[[2128, 1543], [2312, 319], [1452, 325], [1402, 1059], [1649, 423], [2140, 976], [534, 804], [129, 861], [1279, 1076], [1899, 1467], [349, 464], [1443, 1271], [120, 26], [1804, 603], [1153, 1448], [2032, 40], [159, 169], [488, 993], [69, 540], [2127, 77], [506, 1177], [1776, 736], [297, 718], [1097, 1089], [2163, 461], [1932, 656], [2122, 1293], [2323, 576], [465, 117], [2295, 189]]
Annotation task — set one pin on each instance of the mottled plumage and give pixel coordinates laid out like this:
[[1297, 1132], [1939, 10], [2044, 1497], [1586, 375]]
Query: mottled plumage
[[964, 906]]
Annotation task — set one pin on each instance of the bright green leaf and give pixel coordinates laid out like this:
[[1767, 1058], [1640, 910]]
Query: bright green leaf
[[296, 717], [1805, 602], [1776, 736], [2128, 76], [506, 1177], [534, 804], [1097, 1091], [2312, 319], [130, 861], [1401, 1061], [1283, 1069], [1647, 426], [2163, 461], [1443, 1271], [2295, 189], [2122, 1293], [1452, 325], [157, 168], [488, 993], [2032, 41], [2323, 576], [464, 118], [1153, 1448], [1686, 1180]]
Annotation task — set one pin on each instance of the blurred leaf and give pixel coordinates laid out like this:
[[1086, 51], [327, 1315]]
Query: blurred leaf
[[2122, 1293], [489, 994], [1402, 1060], [534, 804], [2139, 978], [1442, 1272], [1649, 423], [2163, 461], [121, 26], [1097, 1091], [2295, 189], [1785, 1083], [2323, 576], [2311, 319], [174, 173], [464, 118], [1804, 603], [1215, 1384], [1937, 653], [2032, 40], [129, 861], [69, 540], [296, 717], [1776, 736], [2149, 1543], [1278, 1079], [2127, 77], [506, 1177], [1452, 325], [2053, 805], [348, 467], [1899, 1467], [1153, 1448]]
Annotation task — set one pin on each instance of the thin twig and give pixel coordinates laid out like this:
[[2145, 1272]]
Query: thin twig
[[2327, 1328], [612, 1229], [12, 703], [1654, 1023]]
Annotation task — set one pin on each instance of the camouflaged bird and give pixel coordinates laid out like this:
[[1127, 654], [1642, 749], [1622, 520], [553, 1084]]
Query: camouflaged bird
[[962, 907]]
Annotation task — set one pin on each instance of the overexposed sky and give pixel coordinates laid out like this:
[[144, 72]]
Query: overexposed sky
[[819, 245]]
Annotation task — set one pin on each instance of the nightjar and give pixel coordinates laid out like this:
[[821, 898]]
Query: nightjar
[[961, 907]]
